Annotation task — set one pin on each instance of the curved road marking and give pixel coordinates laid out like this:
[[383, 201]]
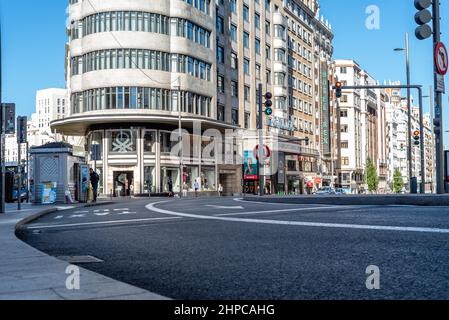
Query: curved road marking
[[152, 207], [282, 210]]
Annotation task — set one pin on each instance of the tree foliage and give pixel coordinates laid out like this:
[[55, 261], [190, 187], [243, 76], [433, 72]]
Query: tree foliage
[[398, 182], [372, 179]]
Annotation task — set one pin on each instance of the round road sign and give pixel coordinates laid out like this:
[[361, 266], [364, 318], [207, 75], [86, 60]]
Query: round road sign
[[266, 152], [441, 58]]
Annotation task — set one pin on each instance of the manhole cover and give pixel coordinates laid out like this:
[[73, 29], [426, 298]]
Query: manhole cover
[[80, 259]]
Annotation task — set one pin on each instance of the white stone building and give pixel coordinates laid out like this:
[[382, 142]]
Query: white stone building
[[51, 104], [362, 133], [397, 141], [134, 66]]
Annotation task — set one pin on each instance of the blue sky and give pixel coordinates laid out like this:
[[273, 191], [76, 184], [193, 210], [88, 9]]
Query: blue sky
[[33, 50], [373, 49]]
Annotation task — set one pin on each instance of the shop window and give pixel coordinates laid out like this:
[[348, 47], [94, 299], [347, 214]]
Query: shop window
[[208, 178], [149, 179], [190, 174], [150, 142]]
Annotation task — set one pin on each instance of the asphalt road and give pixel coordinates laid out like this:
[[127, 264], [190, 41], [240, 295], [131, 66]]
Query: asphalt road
[[221, 248]]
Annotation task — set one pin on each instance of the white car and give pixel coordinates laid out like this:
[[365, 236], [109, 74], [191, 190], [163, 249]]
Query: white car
[[325, 191]]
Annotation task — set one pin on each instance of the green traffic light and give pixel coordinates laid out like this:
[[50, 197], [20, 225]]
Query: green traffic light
[[268, 111]]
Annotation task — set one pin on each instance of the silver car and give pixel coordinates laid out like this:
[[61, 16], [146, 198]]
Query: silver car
[[325, 191]]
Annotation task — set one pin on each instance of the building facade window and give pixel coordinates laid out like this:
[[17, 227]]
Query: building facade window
[[140, 21], [140, 98], [141, 59]]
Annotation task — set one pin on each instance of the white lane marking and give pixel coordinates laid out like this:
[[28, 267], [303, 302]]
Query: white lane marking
[[65, 208], [124, 209], [81, 212], [125, 212], [100, 214], [225, 207], [59, 217], [259, 202], [280, 211], [152, 207], [99, 223], [77, 216]]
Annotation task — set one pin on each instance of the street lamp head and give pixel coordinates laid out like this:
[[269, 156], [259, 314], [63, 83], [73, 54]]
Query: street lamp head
[[399, 49]]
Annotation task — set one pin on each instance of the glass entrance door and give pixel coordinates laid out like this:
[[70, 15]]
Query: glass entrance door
[[123, 183]]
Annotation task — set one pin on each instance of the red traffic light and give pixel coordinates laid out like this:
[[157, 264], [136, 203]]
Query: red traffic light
[[338, 85]]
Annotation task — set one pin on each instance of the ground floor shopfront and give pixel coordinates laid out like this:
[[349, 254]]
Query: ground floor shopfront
[[137, 161], [292, 170], [352, 181]]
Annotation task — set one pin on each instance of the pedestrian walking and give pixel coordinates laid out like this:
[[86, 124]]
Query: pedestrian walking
[[220, 190], [170, 187], [196, 186], [94, 179]]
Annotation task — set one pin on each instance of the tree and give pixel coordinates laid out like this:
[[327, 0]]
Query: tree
[[372, 179], [398, 182]]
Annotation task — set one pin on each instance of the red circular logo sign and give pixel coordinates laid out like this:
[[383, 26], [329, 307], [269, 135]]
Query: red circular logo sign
[[441, 58], [266, 152]]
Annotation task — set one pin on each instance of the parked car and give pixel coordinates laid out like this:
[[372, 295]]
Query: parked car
[[23, 195], [340, 191], [325, 191]]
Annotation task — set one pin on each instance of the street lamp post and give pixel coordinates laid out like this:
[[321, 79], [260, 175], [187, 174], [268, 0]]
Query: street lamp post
[[409, 151], [178, 88], [2, 167]]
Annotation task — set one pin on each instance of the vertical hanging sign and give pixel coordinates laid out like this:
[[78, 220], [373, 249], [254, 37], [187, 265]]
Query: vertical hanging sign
[[325, 112]]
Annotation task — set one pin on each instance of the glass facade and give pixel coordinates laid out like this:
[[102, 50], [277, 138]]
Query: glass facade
[[140, 22], [157, 170], [139, 98], [140, 59]]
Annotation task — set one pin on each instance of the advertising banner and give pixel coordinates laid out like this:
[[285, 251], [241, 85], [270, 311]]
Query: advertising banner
[[325, 111], [250, 166], [281, 167], [48, 195]]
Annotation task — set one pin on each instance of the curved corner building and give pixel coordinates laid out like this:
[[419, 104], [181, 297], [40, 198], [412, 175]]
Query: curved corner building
[[131, 65]]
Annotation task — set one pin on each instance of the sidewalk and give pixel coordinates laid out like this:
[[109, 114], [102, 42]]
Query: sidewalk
[[394, 199], [29, 274]]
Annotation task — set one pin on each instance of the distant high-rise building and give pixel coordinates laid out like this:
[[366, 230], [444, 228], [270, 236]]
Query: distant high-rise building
[[51, 104]]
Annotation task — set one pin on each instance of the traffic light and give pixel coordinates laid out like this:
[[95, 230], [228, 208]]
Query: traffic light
[[268, 104], [422, 18], [417, 137], [437, 126], [10, 118], [21, 129], [306, 141], [338, 86]]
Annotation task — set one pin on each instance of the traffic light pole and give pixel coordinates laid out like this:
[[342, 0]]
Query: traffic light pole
[[19, 174], [261, 146], [2, 117], [409, 110], [438, 122], [421, 124], [422, 147]]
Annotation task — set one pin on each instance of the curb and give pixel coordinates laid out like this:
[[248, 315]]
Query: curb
[[53, 210], [407, 200]]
